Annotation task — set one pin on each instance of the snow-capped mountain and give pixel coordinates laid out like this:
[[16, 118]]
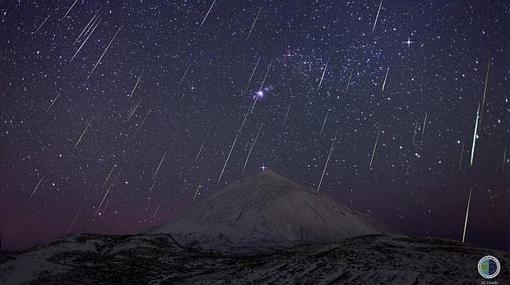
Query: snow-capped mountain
[[267, 209]]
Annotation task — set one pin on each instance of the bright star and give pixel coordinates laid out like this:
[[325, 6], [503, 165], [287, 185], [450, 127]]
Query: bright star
[[408, 42]]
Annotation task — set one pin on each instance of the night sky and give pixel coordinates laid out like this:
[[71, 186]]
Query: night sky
[[122, 134]]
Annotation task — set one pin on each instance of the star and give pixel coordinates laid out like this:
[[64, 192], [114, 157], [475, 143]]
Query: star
[[408, 42]]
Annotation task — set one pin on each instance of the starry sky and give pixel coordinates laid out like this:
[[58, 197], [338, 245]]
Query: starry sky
[[117, 115]]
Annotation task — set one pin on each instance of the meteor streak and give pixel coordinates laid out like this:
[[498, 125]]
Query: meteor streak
[[152, 186], [83, 133], [133, 111], [377, 17], [348, 83], [252, 73], [326, 164], [235, 139], [324, 123], [287, 114], [42, 24], [196, 191], [73, 222], [415, 130], [108, 191], [475, 135], [157, 209], [201, 147], [36, 186], [95, 25], [52, 102], [210, 8], [253, 25], [424, 125], [485, 86], [69, 10], [375, 147], [185, 72], [265, 76], [108, 176], [104, 52], [87, 27], [228, 156], [136, 85], [251, 149], [323, 72], [144, 119], [385, 77], [159, 165], [466, 218]]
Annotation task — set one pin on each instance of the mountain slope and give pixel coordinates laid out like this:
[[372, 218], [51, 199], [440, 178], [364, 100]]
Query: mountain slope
[[158, 259], [268, 208]]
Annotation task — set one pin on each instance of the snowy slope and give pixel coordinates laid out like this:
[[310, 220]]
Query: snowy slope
[[158, 259], [268, 208]]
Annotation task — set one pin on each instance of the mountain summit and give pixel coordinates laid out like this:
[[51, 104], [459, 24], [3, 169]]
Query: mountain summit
[[267, 208]]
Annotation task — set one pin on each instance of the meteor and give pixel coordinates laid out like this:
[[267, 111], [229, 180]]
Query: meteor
[[69, 10], [466, 218], [415, 130], [377, 17], [73, 222], [375, 147], [157, 209], [251, 149], [185, 72], [88, 26], [287, 114], [326, 164], [133, 111], [424, 125], [253, 25], [36, 186], [136, 85], [323, 73], [267, 72], [475, 135], [485, 86], [252, 73], [237, 134], [385, 77], [196, 191], [324, 123], [83, 133], [144, 119], [95, 25], [42, 24], [108, 191], [52, 102], [210, 8], [159, 165], [104, 52], [152, 186], [348, 83], [108, 176], [201, 147]]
